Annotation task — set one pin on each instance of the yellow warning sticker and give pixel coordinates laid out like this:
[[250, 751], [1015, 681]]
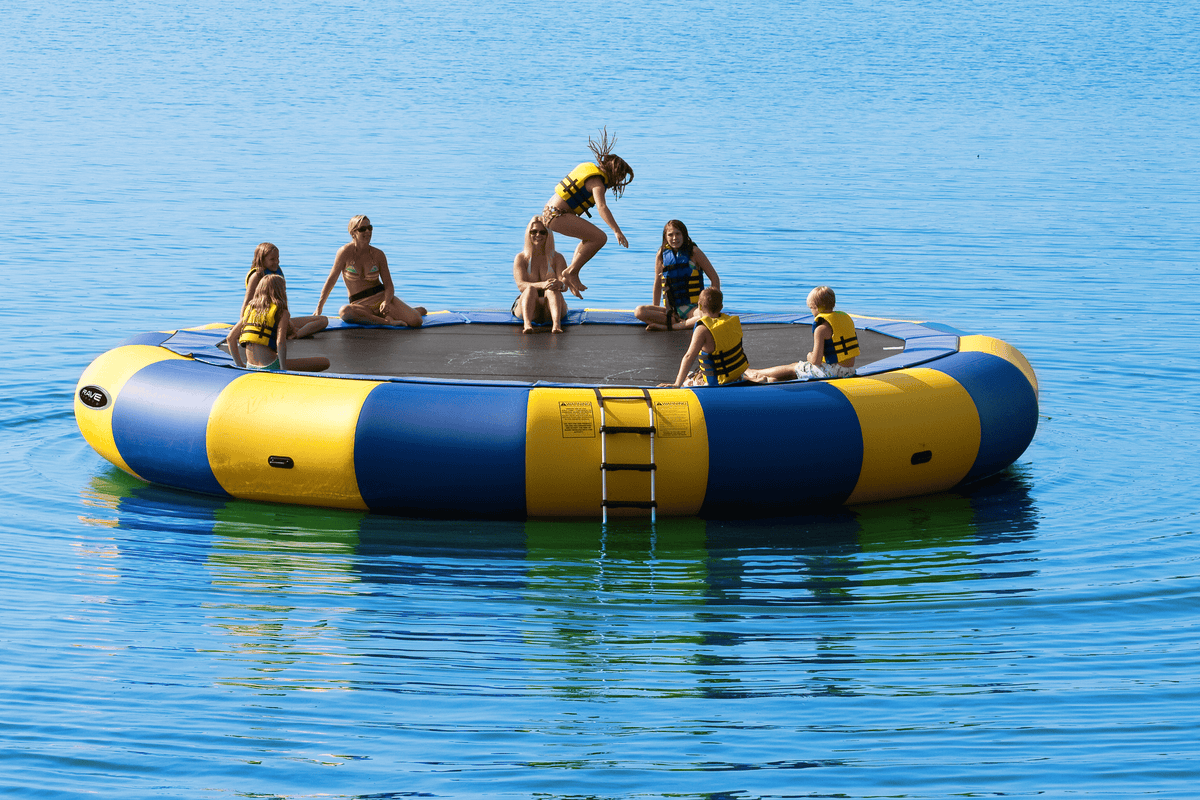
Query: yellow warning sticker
[[577, 420], [674, 420]]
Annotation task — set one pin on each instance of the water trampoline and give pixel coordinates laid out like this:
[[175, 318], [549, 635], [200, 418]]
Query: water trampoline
[[468, 417]]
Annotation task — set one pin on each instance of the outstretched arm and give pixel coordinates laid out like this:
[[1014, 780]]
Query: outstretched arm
[[706, 266], [599, 195], [389, 288], [658, 284], [700, 337], [232, 342], [820, 334], [329, 282]]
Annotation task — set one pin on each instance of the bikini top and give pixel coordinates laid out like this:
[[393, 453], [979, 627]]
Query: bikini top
[[371, 271]]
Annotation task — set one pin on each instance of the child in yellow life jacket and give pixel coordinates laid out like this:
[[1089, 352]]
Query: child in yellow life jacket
[[580, 191], [717, 342], [835, 345], [266, 262], [679, 271], [262, 330]]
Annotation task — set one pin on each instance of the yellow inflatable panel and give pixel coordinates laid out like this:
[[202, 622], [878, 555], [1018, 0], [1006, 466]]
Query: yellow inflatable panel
[[110, 372], [920, 432], [986, 344], [307, 421], [562, 451]]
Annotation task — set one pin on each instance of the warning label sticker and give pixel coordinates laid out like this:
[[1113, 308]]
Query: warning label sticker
[[577, 421], [674, 420]]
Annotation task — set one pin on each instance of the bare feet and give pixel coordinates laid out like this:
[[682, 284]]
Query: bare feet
[[420, 311], [556, 329], [571, 279], [527, 329]]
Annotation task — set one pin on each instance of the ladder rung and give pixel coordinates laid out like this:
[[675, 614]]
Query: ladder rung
[[629, 504], [631, 397], [625, 429], [638, 467]]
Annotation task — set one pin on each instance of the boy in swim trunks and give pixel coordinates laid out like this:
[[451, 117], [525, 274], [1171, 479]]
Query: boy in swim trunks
[[835, 345]]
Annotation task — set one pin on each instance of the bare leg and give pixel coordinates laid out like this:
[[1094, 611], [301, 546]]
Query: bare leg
[[528, 308], [783, 372], [591, 239], [361, 315], [303, 327], [558, 310], [401, 313]]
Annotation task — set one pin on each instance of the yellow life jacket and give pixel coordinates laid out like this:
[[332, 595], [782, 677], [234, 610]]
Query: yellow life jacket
[[571, 188], [727, 362], [259, 327], [843, 344]]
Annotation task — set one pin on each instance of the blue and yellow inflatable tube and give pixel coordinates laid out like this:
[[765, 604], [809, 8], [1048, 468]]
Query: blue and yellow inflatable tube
[[950, 410]]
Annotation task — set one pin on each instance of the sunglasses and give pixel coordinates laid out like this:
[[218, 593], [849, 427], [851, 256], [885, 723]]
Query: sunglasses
[[537, 232], [364, 229]]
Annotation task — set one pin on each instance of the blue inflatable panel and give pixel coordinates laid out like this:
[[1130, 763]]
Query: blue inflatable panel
[[432, 449], [160, 423], [153, 338], [1006, 404], [768, 454]]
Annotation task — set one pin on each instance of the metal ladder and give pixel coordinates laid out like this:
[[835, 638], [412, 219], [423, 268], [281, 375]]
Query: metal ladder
[[606, 467]]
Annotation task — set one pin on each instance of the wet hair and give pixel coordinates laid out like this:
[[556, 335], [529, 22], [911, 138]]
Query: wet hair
[[528, 250], [823, 298], [688, 245], [617, 173], [356, 221], [711, 300], [270, 290], [260, 256]]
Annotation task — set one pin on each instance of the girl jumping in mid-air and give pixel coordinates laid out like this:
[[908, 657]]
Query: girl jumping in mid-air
[[580, 191], [266, 262], [679, 270], [262, 330]]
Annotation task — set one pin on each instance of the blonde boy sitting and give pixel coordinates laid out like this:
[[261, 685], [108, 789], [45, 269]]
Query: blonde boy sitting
[[835, 345]]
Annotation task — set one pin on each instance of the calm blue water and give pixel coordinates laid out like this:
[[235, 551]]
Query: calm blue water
[[1026, 170]]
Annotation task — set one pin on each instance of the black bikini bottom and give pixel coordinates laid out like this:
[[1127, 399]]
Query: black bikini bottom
[[376, 289]]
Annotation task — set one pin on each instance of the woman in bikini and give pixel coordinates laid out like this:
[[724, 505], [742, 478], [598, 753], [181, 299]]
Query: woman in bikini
[[364, 268], [535, 270], [581, 190], [266, 262]]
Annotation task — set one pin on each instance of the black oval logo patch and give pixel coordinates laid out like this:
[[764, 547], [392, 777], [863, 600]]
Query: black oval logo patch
[[93, 397]]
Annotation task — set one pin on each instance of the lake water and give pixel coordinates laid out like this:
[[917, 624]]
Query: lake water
[[1024, 170]]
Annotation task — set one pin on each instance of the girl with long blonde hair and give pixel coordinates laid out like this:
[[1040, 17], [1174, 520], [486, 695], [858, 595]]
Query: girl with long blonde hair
[[536, 271], [262, 331]]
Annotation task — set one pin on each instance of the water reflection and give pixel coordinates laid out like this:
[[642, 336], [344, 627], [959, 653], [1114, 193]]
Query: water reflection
[[301, 598]]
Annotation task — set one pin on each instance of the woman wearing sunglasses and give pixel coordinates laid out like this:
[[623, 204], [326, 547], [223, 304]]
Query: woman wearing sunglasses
[[364, 269], [536, 271]]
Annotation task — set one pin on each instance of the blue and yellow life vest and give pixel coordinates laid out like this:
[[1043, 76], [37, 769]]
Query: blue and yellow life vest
[[727, 362], [571, 188], [682, 280], [843, 344], [259, 327], [278, 271]]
